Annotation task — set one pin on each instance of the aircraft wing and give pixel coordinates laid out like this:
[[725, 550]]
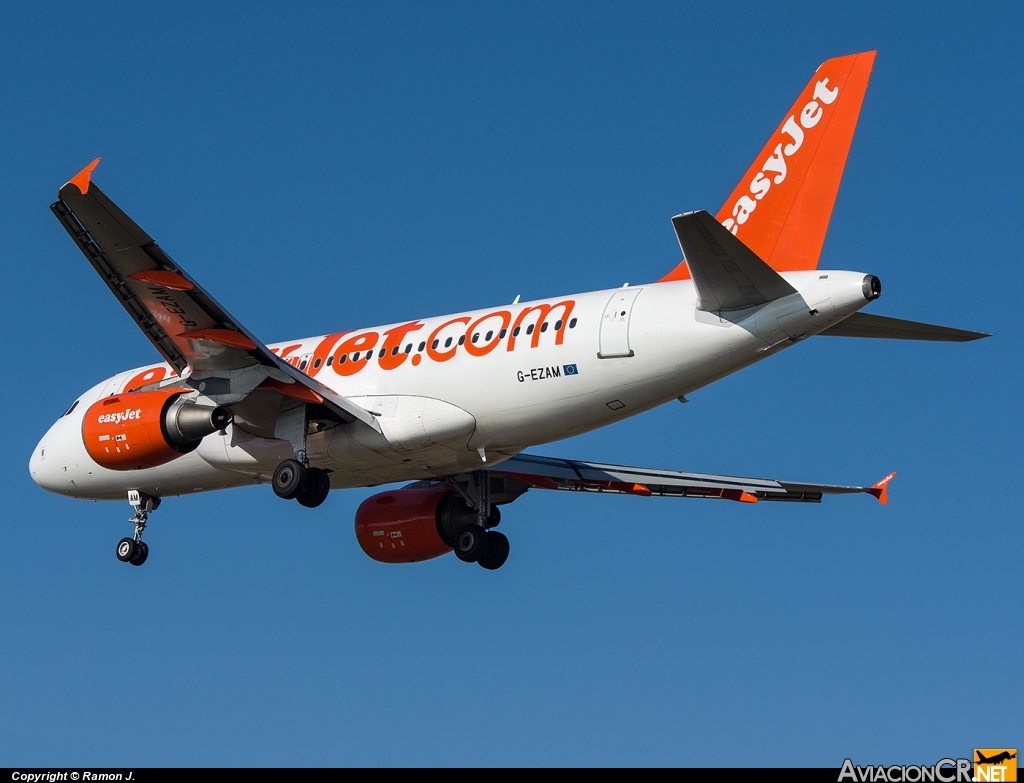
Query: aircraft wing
[[553, 473], [209, 348]]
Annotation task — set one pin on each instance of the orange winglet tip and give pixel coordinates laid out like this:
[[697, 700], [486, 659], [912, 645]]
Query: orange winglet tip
[[222, 336], [82, 179], [170, 280], [294, 390], [881, 489]]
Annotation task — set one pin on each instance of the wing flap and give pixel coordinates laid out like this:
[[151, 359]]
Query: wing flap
[[575, 475]]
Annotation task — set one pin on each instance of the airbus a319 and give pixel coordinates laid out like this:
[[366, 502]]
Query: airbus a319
[[451, 403]]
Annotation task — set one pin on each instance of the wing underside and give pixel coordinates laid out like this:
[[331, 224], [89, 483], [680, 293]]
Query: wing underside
[[204, 344], [575, 475]]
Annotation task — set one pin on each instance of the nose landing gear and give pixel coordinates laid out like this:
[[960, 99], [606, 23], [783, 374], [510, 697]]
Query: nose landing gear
[[134, 550]]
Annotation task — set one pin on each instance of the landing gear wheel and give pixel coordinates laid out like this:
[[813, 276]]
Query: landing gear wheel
[[126, 549], [318, 485], [471, 543], [141, 553], [497, 551], [290, 479]]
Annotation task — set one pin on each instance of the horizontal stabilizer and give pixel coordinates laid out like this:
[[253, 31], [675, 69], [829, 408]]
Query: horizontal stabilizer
[[728, 275], [882, 327]]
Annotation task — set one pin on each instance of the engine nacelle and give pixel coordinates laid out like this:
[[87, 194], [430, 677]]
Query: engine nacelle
[[404, 525], [139, 430]]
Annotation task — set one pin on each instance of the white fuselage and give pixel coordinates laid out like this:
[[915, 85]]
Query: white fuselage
[[603, 356]]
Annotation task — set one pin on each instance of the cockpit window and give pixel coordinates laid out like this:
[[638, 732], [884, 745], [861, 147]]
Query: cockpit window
[[68, 411]]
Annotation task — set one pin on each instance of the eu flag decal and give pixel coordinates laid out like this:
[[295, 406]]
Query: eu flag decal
[[570, 369]]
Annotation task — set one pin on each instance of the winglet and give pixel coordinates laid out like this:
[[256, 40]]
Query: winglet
[[880, 490], [81, 179]]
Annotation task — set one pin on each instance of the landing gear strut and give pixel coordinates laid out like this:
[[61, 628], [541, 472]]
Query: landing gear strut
[[475, 542], [134, 550]]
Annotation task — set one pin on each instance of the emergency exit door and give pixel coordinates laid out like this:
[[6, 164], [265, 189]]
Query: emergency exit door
[[615, 324]]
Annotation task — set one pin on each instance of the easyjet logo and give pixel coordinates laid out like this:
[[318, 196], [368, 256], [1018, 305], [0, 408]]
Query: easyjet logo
[[773, 170], [416, 342], [119, 416]]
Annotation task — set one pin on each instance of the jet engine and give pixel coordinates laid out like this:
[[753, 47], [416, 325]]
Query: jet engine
[[144, 429], [421, 522], [401, 526]]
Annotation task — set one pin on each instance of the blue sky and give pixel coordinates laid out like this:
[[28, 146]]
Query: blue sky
[[328, 166]]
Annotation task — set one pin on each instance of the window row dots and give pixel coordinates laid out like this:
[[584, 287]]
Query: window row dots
[[364, 355]]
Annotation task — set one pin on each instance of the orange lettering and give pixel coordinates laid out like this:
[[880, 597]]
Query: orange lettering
[[482, 350], [146, 376], [443, 356], [316, 363], [544, 310], [393, 338], [360, 343]]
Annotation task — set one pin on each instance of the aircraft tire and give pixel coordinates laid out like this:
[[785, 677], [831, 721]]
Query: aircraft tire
[[126, 549], [317, 489], [497, 551], [290, 478], [141, 553], [470, 543]]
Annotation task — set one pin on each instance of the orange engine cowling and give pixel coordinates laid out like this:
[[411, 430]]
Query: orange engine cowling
[[408, 525], [139, 430]]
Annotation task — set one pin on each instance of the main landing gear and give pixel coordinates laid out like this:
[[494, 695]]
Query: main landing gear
[[134, 550], [475, 542], [309, 486]]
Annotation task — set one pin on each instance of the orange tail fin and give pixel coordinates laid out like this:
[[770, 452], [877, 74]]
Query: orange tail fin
[[782, 206]]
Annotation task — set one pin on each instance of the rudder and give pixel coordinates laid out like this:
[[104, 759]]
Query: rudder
[[782, 206]]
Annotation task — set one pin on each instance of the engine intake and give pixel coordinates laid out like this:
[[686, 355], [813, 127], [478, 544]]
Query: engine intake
[[139, 430]]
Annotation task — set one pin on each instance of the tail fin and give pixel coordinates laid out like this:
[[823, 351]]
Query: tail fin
[[881, 489], [782, 206]]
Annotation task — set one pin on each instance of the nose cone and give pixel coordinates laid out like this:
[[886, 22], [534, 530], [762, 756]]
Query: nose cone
[[46, 467]]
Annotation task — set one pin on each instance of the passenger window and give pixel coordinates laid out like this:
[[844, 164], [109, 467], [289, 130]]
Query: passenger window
[[394, 351], [355, 356], [447, 342], [572, 324], [302, 365], [462, 339], [433, 345], [501, 334], [489, 336], [558, 325], [476, 337], [382, 352], [529, 329], [316, 364], [330, 360], [408, 348], [544, 326], [515, 332], [424, 345]]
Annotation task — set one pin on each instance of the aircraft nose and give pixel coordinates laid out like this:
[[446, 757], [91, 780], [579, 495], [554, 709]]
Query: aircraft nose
[[46, 467]]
